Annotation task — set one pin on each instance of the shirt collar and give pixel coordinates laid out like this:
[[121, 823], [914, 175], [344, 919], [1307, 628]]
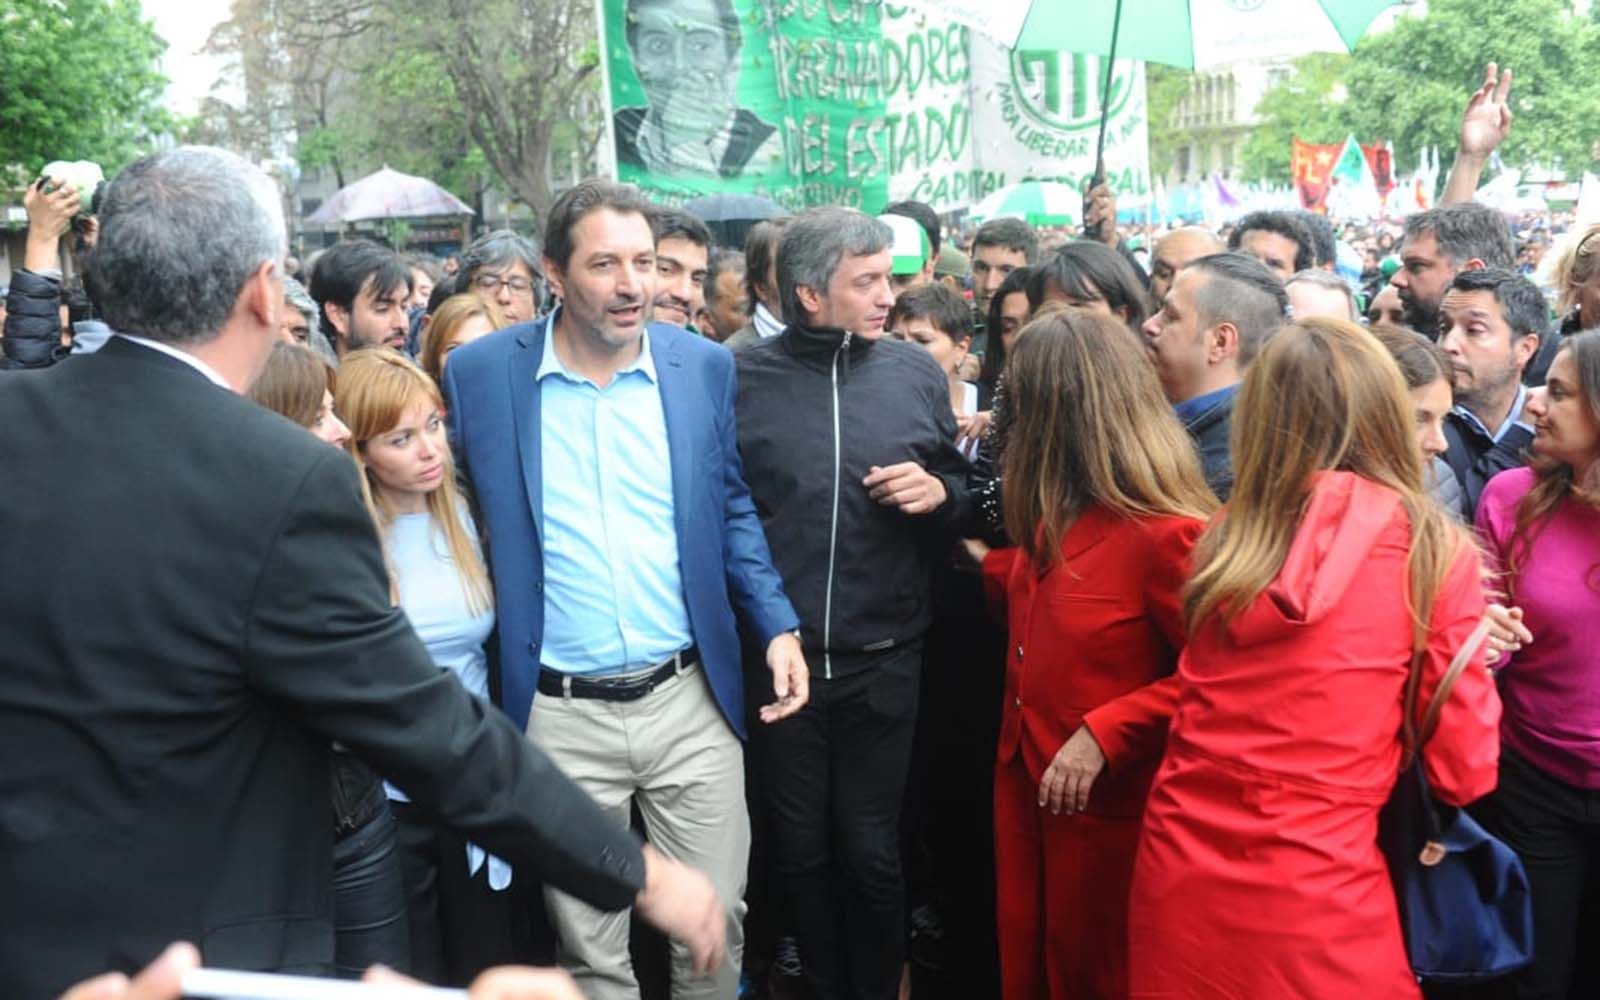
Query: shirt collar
[[1191, 408], [1511, 418], [766, 324], [184, 356], [550, 363]]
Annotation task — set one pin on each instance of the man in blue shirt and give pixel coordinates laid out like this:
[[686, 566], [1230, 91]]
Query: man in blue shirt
[[1491, 323], [1216, 316], [601, 448]]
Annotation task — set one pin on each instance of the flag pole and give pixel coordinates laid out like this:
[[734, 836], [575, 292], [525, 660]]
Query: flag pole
[[1105, 101]]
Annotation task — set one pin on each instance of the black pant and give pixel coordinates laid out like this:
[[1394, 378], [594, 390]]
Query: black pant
[[947, 830], [833, 776], [369, 899], [459, 925], [1555, 828]]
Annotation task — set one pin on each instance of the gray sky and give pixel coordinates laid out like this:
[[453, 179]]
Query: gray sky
[[185, 24]]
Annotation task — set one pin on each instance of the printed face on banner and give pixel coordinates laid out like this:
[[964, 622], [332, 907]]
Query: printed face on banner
[[685, 55]]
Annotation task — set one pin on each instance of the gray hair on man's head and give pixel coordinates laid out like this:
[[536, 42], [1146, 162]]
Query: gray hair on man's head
[[812, 246], [181, 231], [300, 300], [498, 249], [1330, 281]]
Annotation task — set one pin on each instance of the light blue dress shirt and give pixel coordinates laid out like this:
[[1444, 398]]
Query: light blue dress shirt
[[1512, 419], [435, 600], [613, 589]]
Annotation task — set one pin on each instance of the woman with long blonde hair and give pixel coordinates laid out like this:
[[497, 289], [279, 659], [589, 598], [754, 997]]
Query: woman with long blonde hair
[[1541, 525], [1105, 498], [459, 915], [1328, 579]]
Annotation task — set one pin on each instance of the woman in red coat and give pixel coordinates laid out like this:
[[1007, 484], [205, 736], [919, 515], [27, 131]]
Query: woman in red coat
[[1105, 486], [1259, 874]]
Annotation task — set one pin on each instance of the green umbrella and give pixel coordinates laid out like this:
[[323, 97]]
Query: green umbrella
[[1193, 34], [1038, 203]]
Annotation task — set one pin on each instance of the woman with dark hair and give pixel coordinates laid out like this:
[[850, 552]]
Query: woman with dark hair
[[1541, 526], [1008, 312], [1105, 498], [369, 901], [1332, 583], [1092, 276]]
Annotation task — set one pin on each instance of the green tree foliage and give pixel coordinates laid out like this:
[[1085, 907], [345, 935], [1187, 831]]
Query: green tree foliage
[[1409, 85], [1307, 103], [460, 91], [79, 80]]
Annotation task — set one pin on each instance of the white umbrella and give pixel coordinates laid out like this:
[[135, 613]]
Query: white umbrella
[[1038, 203], [388, 194]]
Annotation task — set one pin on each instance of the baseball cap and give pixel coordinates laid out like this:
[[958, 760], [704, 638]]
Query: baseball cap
[[909, 247]]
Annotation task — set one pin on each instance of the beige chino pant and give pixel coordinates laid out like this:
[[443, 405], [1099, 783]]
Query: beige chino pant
[[674, 753]]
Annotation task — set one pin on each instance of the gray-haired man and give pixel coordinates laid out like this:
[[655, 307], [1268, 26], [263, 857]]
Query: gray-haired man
[[503, 267], [848, 444], [166, 757]]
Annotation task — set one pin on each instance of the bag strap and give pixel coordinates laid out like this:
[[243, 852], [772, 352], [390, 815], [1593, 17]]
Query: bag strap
[[1416, 734]]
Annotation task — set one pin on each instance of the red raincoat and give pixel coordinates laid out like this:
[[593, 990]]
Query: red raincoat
[[1258, 874]]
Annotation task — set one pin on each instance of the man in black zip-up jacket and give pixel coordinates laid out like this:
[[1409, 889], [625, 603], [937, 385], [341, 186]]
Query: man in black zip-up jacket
[[848, 445]]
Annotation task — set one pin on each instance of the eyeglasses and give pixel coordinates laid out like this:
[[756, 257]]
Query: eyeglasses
[[493, 283]]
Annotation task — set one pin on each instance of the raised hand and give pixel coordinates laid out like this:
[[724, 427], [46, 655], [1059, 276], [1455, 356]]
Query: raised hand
[[1487, 120]]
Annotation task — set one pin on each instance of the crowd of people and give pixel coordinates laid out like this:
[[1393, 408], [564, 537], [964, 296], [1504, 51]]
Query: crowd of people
[[872, 610]]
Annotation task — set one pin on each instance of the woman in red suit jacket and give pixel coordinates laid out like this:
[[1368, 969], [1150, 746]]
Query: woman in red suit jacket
[[1105, 486], [1259, 873]]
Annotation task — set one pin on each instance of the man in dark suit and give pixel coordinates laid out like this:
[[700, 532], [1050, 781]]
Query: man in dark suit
[[196, 607], [601, 448]]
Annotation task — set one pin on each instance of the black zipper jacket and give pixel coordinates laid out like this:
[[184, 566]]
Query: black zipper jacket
[[817, 409]]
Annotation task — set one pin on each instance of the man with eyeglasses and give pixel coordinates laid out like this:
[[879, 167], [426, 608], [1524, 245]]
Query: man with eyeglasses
[[503, 267]]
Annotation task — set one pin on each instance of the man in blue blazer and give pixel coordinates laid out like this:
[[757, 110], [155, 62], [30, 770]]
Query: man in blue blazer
[[621, 535]]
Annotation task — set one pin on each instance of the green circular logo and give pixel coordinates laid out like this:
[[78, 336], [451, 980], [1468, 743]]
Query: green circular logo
[[1062, 90]]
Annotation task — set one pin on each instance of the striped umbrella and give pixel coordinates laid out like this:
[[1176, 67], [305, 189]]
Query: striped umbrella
[[1038, 203]]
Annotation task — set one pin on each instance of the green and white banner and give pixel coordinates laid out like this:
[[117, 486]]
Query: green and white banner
[[853, 102]]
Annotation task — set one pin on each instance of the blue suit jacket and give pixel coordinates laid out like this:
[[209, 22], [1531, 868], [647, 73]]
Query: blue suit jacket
[[493, 400]]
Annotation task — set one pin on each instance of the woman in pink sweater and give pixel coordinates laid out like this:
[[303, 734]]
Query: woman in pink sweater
[[1541, 526]]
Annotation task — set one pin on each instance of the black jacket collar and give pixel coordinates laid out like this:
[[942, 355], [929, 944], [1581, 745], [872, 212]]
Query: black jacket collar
[[817, 345]]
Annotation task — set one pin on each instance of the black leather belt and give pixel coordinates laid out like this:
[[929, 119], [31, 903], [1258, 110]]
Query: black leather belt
[[558, 684]]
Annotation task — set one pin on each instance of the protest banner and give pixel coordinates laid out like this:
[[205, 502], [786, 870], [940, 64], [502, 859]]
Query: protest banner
[[852, 102]]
